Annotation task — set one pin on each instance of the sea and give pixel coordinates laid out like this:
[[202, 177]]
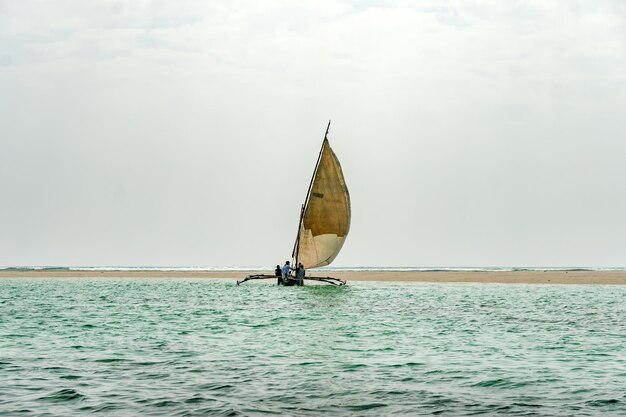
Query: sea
[[207, 347]]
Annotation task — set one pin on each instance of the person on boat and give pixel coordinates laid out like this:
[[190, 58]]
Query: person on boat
[[300, 271], [278, 272], [285, 272]]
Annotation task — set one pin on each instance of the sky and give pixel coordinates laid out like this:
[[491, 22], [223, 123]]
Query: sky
[[185, 133]]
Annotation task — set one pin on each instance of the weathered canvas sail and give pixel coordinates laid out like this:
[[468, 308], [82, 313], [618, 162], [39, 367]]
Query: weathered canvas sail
[[326, 214]]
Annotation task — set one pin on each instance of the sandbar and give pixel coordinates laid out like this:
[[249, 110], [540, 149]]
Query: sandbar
[[494, 277]]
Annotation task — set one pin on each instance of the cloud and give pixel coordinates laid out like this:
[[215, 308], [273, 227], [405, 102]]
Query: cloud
[[176, 124]]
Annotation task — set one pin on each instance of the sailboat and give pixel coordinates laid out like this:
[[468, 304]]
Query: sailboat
[[324, 218]]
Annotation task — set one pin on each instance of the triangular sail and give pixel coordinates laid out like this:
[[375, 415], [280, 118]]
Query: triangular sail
[[326, 214]]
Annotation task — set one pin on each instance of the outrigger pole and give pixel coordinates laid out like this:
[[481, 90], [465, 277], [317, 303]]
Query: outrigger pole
[[328, 280]]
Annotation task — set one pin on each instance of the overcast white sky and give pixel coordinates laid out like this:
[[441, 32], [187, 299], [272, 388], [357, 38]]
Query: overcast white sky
[[185, 132]]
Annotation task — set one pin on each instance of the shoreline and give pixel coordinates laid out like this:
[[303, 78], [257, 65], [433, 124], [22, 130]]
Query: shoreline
[[489, 277]]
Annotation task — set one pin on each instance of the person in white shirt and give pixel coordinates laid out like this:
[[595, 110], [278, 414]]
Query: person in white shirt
[[286, 270]]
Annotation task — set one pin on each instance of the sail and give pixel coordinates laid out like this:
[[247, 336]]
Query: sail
[[326, 217]]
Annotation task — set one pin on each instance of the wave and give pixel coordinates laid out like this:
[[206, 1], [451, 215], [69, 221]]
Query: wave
[[35, 268]]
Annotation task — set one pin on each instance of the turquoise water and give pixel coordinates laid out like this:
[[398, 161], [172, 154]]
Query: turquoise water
[[205, 347]]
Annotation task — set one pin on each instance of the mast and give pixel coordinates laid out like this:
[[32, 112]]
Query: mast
[[294, 253]]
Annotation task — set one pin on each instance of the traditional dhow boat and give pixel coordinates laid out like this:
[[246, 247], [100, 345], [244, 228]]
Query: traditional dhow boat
[[324, 219]]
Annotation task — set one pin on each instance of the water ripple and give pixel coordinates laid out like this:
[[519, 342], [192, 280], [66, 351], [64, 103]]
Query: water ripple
[[63, 395], [185, 347]]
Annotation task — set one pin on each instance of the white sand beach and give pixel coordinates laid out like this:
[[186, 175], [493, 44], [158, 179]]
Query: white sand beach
[[500, 277]]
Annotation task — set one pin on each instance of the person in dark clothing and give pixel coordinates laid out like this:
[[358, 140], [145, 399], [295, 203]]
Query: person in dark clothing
[[279, 274]]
